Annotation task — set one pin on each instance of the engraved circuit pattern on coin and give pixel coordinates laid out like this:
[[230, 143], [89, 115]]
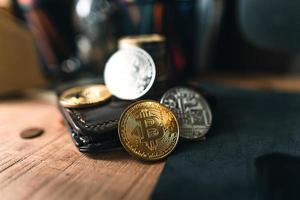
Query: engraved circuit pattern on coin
[[84, 96], [148, 130], [191, 109], [129, 73]]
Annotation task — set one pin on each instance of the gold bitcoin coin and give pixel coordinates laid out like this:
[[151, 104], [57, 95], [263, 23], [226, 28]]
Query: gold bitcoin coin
[[148, 130], [84, 96]]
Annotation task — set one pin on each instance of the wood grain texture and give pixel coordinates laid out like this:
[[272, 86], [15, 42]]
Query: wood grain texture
[[50, 167]]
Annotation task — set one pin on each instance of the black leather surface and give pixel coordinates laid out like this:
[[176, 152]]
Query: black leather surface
[[95, 128]]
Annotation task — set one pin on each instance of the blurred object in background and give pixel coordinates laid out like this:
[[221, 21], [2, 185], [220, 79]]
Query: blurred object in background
[[190, 28], [96, 32], [100, 23], [6, 5], [179, 29], [209, 14], [272, 24], [50, 22], [259, 36], [19, 66], [75, 38]]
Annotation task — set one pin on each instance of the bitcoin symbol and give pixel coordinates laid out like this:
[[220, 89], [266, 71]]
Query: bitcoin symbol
[[150, 130]]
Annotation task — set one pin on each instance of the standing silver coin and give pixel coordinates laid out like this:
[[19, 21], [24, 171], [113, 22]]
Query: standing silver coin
[[191, 109], [129, 73]]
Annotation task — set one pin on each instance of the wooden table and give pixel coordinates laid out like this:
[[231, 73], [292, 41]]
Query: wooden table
[[50, 167]]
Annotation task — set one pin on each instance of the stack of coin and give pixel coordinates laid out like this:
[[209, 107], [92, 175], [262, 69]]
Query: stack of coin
[[155, 45]]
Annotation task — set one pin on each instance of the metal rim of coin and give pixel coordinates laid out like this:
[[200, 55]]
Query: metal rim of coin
[[191, 109], [85, 96], [148, 130], [31, 133], [140, 40], [129, 73]]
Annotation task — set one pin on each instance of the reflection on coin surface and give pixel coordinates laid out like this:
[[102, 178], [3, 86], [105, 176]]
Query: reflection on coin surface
[[148, 130], [84, 96], [191, 109], [129, 73], [31, 133]]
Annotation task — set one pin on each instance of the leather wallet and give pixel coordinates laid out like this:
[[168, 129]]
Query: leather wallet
[[95, 129]]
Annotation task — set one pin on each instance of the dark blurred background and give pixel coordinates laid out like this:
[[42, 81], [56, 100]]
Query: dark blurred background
[[72, 39]]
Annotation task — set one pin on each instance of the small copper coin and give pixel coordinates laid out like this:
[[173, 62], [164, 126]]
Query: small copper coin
[[84, 96], [31, 133], [148, 130]]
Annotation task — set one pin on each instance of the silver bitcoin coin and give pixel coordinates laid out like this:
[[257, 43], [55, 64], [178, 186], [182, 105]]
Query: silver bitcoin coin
[[191, 109], [129, 73]]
